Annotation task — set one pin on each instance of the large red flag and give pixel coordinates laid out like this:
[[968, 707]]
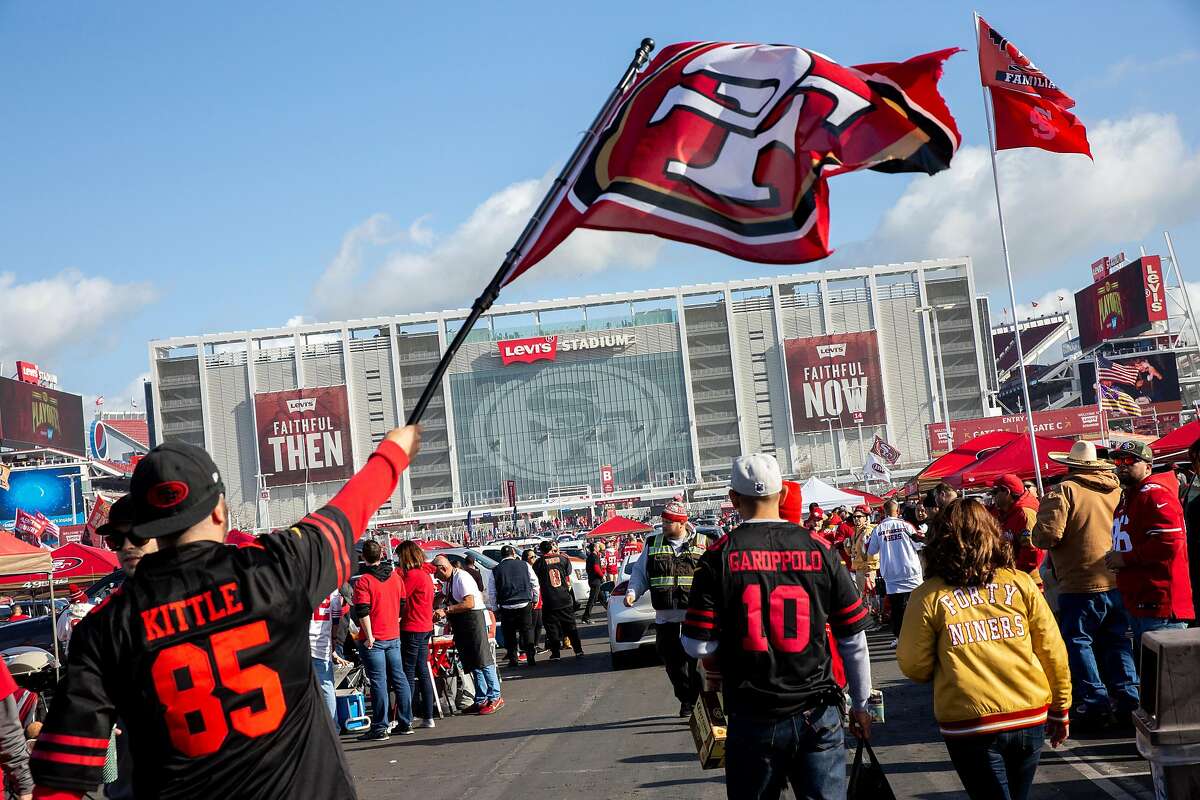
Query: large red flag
[[728, 146], [1030, 110]]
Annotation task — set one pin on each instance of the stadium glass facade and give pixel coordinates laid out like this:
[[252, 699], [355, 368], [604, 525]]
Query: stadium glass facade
[[616, 395]]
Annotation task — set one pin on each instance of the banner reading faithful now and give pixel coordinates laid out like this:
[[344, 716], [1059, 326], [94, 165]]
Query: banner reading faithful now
[[303, 435], [835, 378]]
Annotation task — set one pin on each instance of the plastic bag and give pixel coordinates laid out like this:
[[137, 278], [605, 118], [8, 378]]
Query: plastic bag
[[867, 781]]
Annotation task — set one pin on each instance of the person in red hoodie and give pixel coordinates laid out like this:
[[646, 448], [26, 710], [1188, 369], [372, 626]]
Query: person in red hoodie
[[1016, 509], [791, 508], [816, 516], [378, 601], [1149, 551], [416, 628]]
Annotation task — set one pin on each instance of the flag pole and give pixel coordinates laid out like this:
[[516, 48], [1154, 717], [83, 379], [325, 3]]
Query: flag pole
[[1012, 292], [1100, 401], [485, 300]]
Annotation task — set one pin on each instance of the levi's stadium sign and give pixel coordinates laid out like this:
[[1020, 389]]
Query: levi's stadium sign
[[548, 347]]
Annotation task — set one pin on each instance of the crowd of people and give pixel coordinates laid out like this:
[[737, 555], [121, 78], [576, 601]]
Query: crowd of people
[[1024, 612]]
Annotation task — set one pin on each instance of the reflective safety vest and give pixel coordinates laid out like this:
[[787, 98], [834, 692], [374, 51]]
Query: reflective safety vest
[[669, 575]]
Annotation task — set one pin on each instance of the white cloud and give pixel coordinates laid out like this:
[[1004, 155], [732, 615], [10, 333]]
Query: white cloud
[[380, 269], [1048, 303], [295, 322], [1057, 208], [1132, 66], [41, 318]]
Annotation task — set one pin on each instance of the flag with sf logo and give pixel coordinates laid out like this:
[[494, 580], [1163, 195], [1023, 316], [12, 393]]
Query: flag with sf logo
[[729, 146], [1030, 110]]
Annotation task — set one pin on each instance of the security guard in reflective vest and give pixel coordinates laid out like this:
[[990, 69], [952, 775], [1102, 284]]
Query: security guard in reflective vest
[[665, 569]]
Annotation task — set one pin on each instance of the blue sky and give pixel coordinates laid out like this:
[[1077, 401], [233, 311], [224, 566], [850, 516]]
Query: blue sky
[[174, 169]]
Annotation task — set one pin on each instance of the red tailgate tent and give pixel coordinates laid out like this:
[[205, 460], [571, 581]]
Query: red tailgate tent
[[1174, 445], [73, 563], [963, 456], [619, 526], [1013, 457], [434, 544]]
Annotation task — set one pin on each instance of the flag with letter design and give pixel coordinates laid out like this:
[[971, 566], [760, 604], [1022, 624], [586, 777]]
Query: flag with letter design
[[728, 146], [1029, 109]]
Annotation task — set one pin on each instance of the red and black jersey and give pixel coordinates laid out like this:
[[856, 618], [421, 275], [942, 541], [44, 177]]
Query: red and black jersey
[[204, 655], [554, 577], [765, 593]]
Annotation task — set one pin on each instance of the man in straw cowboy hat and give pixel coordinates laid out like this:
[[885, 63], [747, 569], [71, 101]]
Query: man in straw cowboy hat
[[1075, 524]]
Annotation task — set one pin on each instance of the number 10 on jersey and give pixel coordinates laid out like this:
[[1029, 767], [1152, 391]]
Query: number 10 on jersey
[[786, 603]]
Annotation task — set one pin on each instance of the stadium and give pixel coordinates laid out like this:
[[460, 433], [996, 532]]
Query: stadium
[[602, 398]]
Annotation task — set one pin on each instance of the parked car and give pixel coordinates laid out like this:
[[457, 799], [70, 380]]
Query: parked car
[[458, 557], [629, 629], [39, 631], [579, 584]]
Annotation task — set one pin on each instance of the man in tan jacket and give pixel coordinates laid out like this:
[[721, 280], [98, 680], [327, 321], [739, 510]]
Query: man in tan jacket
[[1075, 524]]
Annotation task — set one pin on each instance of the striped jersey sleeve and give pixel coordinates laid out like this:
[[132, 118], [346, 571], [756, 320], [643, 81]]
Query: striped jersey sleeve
[[72, 746], [315, 553], [702, 621]]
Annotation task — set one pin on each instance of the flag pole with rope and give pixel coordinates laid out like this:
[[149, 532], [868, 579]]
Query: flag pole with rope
[[513, 257], [1100, 401], [1012, 292]]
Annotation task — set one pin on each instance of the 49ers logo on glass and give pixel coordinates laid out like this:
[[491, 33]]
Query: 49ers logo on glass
[[528, 350]]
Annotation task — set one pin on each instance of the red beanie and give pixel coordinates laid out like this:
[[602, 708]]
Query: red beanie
[[675, 511], [76, 595], [791, 505]]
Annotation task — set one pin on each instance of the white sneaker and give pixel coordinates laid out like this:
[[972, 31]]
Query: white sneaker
[[895, 643], [423, 723]]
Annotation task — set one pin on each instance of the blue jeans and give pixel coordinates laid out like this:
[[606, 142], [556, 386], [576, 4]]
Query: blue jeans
[[487, 684], [998, 766], [807, 750], [383, 667], [1145, 625], [324, 672], [414, 652], [1095, 628]]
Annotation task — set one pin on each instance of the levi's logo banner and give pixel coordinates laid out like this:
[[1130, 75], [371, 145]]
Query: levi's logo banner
[[728, 146], [304, 435], [835, 380], [528, 350]]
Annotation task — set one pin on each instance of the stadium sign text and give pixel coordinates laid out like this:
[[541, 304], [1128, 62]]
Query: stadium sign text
[[547, 347]]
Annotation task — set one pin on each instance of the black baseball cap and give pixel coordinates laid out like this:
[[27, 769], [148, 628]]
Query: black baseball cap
[[120, 516], [175, 486]]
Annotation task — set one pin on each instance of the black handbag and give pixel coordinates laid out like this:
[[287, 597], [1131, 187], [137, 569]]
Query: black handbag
[[867, 781]]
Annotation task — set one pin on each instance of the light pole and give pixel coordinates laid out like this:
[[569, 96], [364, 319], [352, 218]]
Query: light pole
[[932, 310]]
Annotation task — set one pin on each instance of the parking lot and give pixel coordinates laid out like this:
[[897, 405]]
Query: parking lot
[[579, 729]]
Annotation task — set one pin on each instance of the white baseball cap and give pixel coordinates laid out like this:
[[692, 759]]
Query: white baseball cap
[[756, 475]]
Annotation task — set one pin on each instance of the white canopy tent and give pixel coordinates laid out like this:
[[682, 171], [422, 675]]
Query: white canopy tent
[[827, 497]]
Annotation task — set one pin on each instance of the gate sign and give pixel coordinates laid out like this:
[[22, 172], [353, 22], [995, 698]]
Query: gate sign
[[303, 435], [607, 484], [835, 377]]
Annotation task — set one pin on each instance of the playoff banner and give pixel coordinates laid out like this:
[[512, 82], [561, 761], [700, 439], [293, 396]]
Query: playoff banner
[[304, 435], [35, 416], [835, 377]]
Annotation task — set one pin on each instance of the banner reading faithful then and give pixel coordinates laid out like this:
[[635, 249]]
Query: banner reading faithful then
[[835, 378], [304, 435]]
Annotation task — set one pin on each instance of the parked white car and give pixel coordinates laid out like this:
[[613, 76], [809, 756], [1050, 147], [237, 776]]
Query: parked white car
[[457, 556], [629, 629]]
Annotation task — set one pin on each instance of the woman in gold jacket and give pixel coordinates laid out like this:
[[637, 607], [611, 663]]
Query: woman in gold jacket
[[981, 631]]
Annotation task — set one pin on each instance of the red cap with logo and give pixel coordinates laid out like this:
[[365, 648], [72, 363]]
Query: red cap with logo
[[1010, 482]]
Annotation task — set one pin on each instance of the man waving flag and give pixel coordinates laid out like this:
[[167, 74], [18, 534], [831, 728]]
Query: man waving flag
[[728, 146]]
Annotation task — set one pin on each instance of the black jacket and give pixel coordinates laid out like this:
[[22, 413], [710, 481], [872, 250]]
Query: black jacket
[[513, 584]]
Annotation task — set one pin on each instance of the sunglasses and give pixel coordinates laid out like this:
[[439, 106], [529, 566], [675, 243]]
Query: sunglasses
[[115, 541], [1125, 461]]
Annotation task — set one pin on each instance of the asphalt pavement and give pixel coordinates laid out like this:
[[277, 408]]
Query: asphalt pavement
[[578, 729]]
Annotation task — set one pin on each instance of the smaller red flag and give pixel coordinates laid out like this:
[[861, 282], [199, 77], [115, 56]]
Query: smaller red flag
[[1027, 120]]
